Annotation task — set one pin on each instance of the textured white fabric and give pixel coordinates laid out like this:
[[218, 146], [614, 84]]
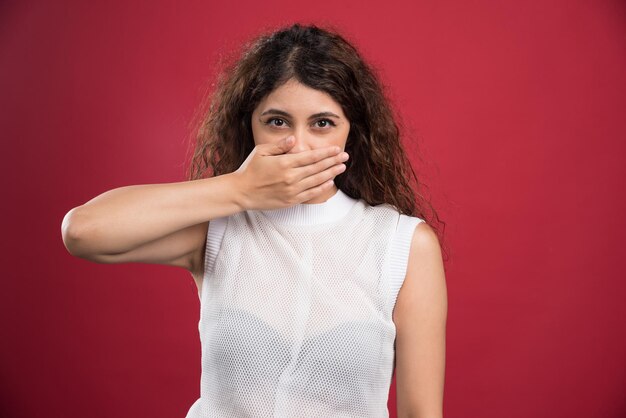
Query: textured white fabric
[[296, 310]]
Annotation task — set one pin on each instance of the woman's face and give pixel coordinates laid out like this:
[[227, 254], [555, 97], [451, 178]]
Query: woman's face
[[295, 109]]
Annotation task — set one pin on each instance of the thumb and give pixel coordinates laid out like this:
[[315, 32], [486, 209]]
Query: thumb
[[282, 146]]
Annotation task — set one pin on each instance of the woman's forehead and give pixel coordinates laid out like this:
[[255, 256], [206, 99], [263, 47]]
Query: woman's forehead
[[298, 99]]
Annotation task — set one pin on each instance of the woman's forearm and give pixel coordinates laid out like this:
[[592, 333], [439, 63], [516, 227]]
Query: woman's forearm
[[121, 219]]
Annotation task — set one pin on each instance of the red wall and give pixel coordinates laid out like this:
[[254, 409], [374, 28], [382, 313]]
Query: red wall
[[521, 110]]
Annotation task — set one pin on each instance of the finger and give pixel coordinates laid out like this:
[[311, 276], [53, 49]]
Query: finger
[[279, 147], [312, 192], [337, 160], [314, 178], [305, 158]]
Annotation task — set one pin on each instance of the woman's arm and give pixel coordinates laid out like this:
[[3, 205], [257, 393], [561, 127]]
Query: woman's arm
[[154, 223], [420, 317], [167, 223]]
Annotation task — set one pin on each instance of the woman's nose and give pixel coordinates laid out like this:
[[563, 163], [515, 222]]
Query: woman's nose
[[302, 144], [299, 148]]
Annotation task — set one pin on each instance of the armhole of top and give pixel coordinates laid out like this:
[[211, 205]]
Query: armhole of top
[[214, 236], [399, 257]]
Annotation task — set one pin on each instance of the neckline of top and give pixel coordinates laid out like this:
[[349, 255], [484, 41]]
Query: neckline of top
[[333, 209]]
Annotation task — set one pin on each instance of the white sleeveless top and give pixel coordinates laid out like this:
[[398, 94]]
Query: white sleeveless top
[[296, 310]]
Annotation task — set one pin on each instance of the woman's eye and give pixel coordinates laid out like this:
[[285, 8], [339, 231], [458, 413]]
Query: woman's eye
[[327, 122], [279, 123], [269, 121]]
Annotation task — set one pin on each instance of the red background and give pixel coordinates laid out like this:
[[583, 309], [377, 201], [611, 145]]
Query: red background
[[521, 110]]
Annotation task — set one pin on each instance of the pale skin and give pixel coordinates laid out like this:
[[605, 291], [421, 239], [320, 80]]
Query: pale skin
[[289, 110], [130, 224]]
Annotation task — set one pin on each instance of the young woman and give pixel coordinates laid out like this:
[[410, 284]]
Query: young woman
[[316, 270]]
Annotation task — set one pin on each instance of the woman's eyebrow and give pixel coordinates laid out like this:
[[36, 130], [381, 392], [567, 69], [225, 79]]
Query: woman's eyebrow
[[283, 113]]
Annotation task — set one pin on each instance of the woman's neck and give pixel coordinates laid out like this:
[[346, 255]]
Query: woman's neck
[[324, 209]]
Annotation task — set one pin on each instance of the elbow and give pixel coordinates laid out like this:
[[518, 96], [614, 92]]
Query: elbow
[[73, 231]]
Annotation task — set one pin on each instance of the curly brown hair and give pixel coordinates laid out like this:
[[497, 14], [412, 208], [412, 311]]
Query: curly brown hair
[[378, 170]]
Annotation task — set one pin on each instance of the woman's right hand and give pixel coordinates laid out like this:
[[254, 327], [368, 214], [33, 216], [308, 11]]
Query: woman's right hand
[[271, 179]]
